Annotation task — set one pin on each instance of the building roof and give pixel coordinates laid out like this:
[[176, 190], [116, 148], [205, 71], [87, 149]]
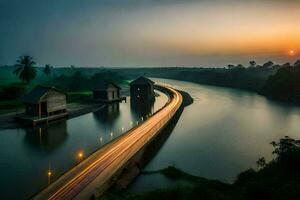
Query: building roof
[[142, 81], [103, 85], [37, 93]]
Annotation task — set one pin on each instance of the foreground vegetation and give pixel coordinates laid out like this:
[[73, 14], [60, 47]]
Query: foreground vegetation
[[277, 180]]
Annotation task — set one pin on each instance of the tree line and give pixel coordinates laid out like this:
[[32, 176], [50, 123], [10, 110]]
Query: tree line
[[280, 82]]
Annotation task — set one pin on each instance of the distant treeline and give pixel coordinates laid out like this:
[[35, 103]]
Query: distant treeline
[[67, 79], [79, 81], [280, 82]]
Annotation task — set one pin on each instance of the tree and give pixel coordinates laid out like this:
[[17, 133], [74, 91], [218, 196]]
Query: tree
[[47, 69], [230, 66], [286, 64], [268, 64], [281, 85], [287, 150], [26, 70], [252, 63], [297, 63], [261, 163]]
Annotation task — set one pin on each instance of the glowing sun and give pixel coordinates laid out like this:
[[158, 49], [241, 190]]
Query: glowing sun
[[292, 52]]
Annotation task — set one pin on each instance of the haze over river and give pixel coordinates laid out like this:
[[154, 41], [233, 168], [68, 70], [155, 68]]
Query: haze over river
[[222, 133]]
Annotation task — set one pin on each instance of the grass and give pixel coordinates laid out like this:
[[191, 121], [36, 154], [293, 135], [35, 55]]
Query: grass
[[10, 106], [79, 96]]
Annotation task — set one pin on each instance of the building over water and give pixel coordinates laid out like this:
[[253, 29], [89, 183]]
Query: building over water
[[142, 89], [107, 92], [43, 102]]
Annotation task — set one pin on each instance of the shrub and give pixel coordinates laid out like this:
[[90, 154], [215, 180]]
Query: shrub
[[13, 91]]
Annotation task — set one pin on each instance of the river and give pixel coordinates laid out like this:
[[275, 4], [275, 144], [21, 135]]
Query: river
[[27, 154], [221, 134]]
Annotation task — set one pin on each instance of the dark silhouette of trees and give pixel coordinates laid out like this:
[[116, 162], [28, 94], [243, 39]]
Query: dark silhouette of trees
[[47, 69], [287, 151], [297, 63], [26, 70], [240, 66], [281, 85], [230, 66], [252, 63], [268, 64], [261, 163], [286, 64], [285, 84]]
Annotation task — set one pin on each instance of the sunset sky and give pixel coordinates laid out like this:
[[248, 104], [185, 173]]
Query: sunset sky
[[130, 33]]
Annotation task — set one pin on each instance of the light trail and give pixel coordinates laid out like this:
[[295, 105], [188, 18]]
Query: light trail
[[120, 152]]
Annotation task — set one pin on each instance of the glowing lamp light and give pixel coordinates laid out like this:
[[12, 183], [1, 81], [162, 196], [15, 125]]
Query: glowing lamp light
[[49, 173], [80, 155]]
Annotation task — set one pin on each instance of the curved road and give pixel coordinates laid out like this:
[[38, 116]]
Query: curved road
[[97, 172]]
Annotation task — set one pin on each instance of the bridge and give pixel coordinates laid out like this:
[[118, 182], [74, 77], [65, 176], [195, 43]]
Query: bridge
[[99, 171]]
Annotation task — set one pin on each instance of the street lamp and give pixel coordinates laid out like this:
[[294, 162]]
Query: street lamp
[[80, 156], [49, 174]]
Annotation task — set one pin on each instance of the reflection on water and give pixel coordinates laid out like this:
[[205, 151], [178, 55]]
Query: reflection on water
[[222, 133], [47, 137], [109, 113], [26, 154], [141, 109]]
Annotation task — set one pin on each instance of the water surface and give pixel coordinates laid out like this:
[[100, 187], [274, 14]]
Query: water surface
[[222, 133], [27, 154]]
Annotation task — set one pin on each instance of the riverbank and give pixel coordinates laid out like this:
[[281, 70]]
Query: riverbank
[[8, 121], [275, 180]]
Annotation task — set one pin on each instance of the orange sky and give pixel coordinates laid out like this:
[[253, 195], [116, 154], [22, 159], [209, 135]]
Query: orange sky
[[153, 33], [239, 29]]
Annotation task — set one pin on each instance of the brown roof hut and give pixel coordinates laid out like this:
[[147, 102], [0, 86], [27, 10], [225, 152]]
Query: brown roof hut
[[45, 101], [107, 92]]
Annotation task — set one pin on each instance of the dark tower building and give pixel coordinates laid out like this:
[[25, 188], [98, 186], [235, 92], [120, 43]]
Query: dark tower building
[[142, 90]]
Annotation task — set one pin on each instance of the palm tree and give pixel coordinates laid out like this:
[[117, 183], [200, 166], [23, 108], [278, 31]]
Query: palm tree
[[25, 68], [47, 69]]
